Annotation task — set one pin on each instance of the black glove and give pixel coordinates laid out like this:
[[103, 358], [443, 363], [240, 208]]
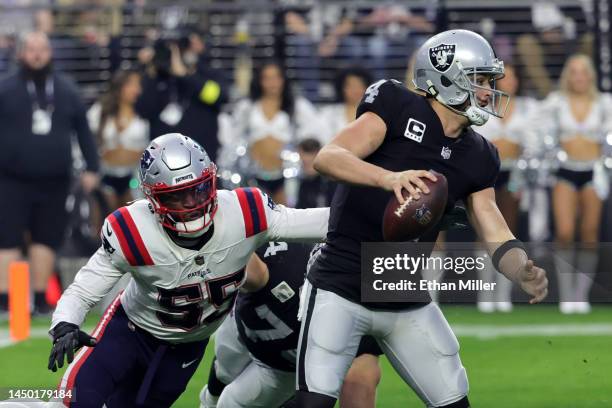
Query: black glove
[[67, 338]]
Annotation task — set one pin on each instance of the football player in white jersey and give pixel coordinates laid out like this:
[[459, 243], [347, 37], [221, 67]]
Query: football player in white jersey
[[186, 246]]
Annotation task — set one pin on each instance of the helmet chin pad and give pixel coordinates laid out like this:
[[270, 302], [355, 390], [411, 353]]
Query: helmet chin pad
[[476, 116]]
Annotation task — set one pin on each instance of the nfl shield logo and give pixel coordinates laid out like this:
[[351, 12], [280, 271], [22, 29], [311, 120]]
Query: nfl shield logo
[[442, 56], [446, 153], [422, 215]]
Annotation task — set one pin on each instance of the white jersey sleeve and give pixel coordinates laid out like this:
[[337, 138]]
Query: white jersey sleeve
[[292, 224], [280, 223], [92, 282]]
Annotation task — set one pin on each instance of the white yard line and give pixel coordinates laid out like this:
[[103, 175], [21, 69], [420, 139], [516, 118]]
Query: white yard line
[[522, 330], [461, 330]]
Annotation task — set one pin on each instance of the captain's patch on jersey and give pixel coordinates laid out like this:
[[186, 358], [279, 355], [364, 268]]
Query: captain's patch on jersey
[[415, 130], [283, 292], [442, 56]]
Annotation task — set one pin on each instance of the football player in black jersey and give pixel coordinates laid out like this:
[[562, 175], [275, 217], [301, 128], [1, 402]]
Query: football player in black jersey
[[399, 135], [255, 347]]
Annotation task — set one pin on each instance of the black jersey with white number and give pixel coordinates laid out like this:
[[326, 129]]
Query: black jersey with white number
[[267, 319], [414, 140]]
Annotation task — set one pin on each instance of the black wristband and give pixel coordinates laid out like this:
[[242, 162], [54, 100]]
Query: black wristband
[[505, 247]]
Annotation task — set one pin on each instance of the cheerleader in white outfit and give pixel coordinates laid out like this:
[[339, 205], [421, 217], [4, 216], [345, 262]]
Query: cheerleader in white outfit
[[578, 117]]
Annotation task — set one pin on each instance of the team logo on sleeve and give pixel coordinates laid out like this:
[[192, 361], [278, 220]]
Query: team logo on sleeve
[[107, 246], [442, 56]]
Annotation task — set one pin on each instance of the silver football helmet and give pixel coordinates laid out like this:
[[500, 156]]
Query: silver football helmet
[[179, 180], [447, 67]]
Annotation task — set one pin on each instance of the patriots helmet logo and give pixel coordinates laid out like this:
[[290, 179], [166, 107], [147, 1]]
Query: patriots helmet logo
[[145, 162], [422, 215], [442, 56]]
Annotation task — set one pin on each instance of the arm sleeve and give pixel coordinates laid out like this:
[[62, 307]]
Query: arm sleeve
[[382, 99], [91, 284], [291, 224], [86, 139], [492, 170]]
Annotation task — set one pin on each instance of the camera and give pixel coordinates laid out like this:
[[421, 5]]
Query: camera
[[163, 51]]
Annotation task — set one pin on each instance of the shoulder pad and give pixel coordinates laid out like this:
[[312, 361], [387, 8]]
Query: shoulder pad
[[119, 232]]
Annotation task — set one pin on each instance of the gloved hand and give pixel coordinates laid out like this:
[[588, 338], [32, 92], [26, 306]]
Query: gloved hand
[[67, 338]]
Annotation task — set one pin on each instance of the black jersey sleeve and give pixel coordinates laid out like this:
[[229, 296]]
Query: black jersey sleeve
[[491, 171], [383, 99]]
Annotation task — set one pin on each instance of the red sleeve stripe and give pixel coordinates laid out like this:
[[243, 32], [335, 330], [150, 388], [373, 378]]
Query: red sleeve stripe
[[253, 210], [129, 238]]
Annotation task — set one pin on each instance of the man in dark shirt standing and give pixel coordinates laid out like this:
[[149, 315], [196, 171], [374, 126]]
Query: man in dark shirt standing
[[40, 110], [181, 93]]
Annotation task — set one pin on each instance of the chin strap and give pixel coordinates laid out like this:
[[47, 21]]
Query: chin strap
[[475, 115]]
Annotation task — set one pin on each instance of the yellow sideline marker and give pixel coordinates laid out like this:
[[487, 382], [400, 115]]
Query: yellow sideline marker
[[19, 300]]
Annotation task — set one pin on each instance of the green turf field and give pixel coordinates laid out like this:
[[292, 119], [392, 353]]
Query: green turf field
[[533, 357]]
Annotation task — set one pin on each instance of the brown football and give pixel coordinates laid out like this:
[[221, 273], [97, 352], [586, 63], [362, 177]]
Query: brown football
[[413, 218]]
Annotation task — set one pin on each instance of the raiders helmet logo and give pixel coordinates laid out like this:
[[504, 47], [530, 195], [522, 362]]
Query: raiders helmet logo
[[442, 56]]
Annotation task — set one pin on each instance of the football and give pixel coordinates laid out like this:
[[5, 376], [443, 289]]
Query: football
[[405, 222]]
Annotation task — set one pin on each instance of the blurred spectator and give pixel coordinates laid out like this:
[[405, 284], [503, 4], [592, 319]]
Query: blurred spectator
[[376, 37], [40, 110], [64, 46], [513, 137], [544, 54], [350, 85], [314, 189], [330, 35], [121, 134], [180, 96], [271, 119], [578, 116]]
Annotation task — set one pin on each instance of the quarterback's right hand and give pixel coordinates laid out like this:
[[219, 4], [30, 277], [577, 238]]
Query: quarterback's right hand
[[533, 281], [67, 338], [409, 180]]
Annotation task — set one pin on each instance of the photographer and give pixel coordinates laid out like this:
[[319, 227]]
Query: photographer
[[180, 93]]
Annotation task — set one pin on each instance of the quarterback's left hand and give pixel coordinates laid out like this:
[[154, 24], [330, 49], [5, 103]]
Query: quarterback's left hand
[[66, 339], [533, 281]]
